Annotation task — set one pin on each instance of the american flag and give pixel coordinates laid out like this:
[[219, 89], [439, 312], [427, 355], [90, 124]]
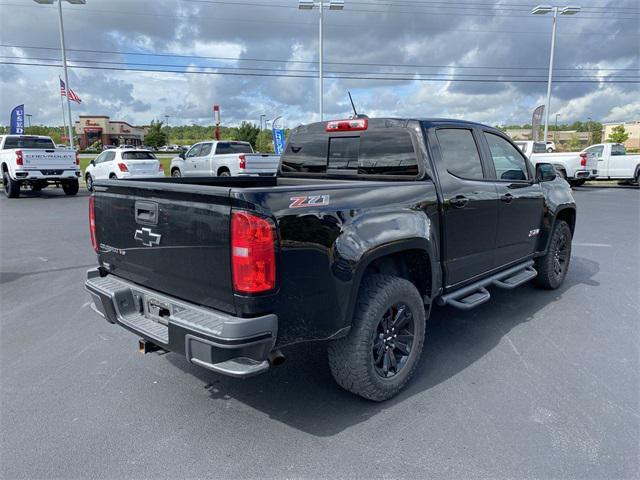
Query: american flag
[[72, 95]]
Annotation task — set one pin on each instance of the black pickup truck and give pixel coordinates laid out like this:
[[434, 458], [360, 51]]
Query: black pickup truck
[[367, 225]]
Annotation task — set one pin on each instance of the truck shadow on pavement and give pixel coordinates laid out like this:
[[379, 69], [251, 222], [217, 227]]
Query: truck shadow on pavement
[[302, 394]]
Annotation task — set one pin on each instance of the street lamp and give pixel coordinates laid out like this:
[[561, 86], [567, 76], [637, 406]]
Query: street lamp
[[28, 115], [64, 56], [166, 122], [556, 139], [543, 10], [320, 5], [260, 136]]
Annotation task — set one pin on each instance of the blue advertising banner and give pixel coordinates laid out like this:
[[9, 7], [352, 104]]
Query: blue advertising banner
[[17, 120], [278, 140]]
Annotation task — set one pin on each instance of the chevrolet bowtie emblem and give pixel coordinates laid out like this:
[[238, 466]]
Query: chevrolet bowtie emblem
[[147, 237]]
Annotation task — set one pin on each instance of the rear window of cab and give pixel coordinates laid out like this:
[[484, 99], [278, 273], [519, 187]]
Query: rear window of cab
[[388, 151]]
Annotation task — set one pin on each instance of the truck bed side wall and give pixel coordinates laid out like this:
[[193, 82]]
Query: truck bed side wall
[[325, 250]]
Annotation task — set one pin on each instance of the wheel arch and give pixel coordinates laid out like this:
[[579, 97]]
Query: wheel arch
[[412, 259], [222, 168]]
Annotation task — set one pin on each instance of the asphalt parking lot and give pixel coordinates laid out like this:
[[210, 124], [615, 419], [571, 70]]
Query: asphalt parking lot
[[534, 384]]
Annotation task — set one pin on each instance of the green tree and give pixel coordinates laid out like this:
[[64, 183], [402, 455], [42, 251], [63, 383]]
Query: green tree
[[618, 135], [156, 136], [574, 143], [248, 132]]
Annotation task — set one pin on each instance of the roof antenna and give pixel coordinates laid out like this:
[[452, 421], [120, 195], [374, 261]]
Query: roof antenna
[[355, 113]]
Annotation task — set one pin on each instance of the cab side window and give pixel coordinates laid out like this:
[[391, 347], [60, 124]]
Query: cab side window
[[194, 151], [507, 160], [597, 151], [205, 150], [460, 153], [618, 149]]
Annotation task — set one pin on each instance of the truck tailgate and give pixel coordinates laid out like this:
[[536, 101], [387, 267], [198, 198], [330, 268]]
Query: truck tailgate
[[49, 159], [167, 238], [262, 163]]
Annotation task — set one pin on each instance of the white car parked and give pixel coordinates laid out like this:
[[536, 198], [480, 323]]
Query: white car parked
[[123, 163]]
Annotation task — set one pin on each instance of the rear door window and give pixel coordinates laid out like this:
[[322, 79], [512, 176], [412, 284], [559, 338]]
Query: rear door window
[[597, 150], [109, 156], [618, 149], [460, 153], [205, 149]]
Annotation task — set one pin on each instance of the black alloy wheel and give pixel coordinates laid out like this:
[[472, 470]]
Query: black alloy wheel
[[561, 253], [393, 340]]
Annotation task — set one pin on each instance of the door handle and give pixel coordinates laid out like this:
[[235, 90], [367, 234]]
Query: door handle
[[459, 201], [506, 198]]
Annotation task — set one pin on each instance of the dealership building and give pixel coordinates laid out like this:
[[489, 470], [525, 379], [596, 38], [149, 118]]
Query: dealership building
[[100, 128]]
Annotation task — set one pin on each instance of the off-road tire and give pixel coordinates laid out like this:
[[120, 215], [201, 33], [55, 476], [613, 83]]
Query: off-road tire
[[351, 358], [175, 173], [548, 275], [224, 173], [71, 187], [11, 187]]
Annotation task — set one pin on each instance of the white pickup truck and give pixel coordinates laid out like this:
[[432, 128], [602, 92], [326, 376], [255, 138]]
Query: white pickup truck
[[614, 163], [223, 159], [575, 167], [34, 161]]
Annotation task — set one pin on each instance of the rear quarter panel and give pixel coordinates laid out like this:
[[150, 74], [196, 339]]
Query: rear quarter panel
[[324, 249]]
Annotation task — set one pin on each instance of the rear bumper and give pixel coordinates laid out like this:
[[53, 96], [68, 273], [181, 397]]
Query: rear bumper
[[51, 175], [586, 174], [233, 346]]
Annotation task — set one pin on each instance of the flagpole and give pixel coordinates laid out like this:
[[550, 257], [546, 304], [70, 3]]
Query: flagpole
[[64, 121], [66, 76]]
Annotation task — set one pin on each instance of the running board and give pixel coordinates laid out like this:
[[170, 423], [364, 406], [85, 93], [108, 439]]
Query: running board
[[476, 294]]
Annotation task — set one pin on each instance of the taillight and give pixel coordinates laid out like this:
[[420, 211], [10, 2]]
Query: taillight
[[347, 125], [77, 157], [583, 159], [253, 258], [243, 162], [123, 167], [92, 222], [19, 160]]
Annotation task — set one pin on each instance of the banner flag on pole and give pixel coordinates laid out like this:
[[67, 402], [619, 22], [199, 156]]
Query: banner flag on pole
[[278, 140], [535, 123], [17, 120], [72, 95]]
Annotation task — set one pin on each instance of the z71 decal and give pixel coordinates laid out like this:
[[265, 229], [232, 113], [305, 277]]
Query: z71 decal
[[309, 201]]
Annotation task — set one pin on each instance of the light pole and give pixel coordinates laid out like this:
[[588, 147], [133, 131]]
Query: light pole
[[556, 136], [543, 10], [166, 122], [64, 56], [28, 115], [320, 5], [260, 135]]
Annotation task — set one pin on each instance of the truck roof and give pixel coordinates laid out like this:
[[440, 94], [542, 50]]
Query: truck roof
[[455, 121]]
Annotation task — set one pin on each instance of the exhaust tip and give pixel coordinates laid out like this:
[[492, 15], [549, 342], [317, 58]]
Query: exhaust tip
[[276, 358]]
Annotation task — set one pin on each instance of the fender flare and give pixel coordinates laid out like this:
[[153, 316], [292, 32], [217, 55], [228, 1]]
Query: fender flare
[[553, 224], [389, 249]]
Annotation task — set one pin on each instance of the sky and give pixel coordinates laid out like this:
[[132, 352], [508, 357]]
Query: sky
[[480, 60]]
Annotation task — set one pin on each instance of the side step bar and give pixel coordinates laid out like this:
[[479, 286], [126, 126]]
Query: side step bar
[[476, 294]]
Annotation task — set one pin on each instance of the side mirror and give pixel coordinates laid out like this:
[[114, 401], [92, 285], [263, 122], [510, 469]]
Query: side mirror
[[181, 155], [545, 172], [93, 162]]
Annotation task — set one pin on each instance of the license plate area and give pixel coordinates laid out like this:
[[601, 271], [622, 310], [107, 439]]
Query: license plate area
[[157, 310]]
